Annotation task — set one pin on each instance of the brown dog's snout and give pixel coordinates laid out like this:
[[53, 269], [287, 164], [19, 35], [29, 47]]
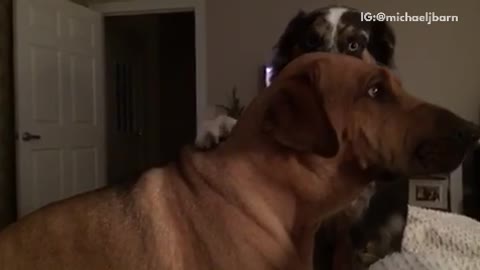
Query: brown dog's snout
[[442, 146], [466, 133], [456, 130]]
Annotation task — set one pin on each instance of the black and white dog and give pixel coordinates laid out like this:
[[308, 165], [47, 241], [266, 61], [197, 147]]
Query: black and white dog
[[374, 224]]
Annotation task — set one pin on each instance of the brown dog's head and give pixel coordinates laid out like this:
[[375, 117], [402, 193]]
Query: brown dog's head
[[332, 104]]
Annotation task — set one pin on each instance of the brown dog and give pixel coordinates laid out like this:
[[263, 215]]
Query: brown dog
[[301, 151]]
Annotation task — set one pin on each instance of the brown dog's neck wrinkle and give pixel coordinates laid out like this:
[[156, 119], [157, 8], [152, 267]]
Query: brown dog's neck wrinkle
[[263, 199], [278, 195]]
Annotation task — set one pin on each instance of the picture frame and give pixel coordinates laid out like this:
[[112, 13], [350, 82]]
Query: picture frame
[[430, 192]]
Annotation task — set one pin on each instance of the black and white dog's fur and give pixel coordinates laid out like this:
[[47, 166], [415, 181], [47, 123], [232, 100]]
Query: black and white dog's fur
[[374, 224]]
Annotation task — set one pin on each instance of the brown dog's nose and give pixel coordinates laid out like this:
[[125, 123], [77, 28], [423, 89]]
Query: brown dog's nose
[[443, 145], [466, 134], [454, 129]]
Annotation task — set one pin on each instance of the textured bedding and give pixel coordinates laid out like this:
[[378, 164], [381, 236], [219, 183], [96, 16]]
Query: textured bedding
[[436, 240]]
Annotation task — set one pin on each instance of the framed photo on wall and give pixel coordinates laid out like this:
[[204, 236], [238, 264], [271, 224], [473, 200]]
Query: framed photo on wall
[[430, 192]]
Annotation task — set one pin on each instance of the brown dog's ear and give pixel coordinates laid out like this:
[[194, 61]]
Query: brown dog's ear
[[296, 118]]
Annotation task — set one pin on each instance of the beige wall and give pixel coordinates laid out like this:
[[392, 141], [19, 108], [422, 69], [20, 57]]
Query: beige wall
[[81, 2], [438, 62]]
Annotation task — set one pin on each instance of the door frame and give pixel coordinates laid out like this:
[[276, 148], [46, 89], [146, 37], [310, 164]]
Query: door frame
[[170, 6]]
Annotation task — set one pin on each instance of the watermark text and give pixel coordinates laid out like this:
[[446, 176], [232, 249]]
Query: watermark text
[[427, 17]]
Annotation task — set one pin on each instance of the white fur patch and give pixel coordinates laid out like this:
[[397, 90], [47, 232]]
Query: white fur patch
[[212, 131], [365, 34], [333, 17]]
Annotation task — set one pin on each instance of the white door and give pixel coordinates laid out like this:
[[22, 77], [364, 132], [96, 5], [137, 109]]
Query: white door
[[60, 103]]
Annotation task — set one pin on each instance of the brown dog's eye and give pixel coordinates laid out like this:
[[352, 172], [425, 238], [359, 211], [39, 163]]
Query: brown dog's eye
[[353, 46], [373, 92]]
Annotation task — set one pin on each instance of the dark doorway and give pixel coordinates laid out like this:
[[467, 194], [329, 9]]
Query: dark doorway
[[151, 101]]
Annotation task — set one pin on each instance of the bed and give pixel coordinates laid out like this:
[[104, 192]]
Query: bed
[[436, 240]]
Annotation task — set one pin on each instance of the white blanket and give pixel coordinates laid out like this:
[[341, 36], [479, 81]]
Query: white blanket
[[436, 240]]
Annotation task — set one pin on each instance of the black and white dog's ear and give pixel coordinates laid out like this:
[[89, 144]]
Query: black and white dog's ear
[[285, 48], [292, 34], [381, 43]]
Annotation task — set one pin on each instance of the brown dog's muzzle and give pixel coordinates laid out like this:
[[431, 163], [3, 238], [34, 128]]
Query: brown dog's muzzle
[[442, 139]]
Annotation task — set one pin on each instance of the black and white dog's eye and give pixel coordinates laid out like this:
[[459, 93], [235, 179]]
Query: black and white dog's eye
[[353, 46], [373, 92]]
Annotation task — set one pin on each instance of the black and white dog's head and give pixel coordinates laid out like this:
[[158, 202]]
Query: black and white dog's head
[[335, 29]]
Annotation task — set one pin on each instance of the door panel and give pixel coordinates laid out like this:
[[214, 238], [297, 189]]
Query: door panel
[[47, 183], [84, 169], [83, 90], [45, 86]]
